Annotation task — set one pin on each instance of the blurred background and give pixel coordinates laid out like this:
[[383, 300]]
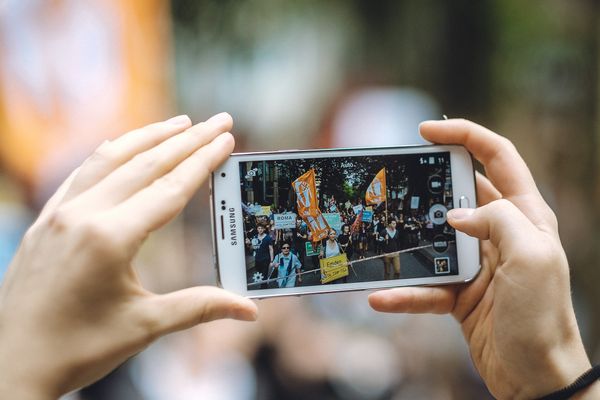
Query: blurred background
[[302, 74]]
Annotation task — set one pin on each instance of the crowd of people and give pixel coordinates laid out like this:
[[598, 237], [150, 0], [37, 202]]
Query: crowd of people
[[386, 232]]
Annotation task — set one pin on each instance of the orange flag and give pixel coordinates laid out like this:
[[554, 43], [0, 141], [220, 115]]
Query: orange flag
[[308, 208], [376, 192]]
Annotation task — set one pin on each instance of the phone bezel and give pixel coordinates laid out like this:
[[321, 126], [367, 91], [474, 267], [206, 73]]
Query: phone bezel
[[227, 188]]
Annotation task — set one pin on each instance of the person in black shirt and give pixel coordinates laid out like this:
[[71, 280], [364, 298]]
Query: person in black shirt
[[300, 236], [262, 246], [391, 244], [345, 241]]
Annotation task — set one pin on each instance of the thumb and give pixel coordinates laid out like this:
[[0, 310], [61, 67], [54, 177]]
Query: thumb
[[189, 307], [500, 222]]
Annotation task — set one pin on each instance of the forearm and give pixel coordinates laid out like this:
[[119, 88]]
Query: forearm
[[592, 392]]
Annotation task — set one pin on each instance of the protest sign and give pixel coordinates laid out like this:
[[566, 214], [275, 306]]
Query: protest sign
[[367, 216], [414, 202], [285, 221], [262, 210], [357, 208], [311, 251], [334, 221], [333, 268]]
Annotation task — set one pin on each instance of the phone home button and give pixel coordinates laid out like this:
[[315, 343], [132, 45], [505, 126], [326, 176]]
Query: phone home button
[[463, 202]]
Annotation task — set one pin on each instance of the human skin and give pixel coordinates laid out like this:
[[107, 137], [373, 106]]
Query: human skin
[[71, 305], [516, 316]]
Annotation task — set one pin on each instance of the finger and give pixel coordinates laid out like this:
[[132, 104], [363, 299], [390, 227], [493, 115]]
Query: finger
[[486, 192], [414, 300], [188, 307], [112, 154], [58, 196], [148, 166], [500, 222], [160, 202], [503, 165]]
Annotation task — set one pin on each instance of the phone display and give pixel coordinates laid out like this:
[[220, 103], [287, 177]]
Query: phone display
[[345, 219]]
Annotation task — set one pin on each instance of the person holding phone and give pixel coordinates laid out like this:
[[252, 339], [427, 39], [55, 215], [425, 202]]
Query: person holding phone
[[73, 273]]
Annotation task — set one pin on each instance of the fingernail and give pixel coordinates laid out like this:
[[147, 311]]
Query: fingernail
[[179, 120], [246, 314], [460, 213], [218, 119]]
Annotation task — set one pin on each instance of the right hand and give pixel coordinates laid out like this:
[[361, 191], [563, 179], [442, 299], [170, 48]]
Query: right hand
[[517, 315]]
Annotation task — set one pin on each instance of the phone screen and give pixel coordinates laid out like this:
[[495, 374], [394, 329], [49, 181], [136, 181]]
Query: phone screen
[[326, 221]]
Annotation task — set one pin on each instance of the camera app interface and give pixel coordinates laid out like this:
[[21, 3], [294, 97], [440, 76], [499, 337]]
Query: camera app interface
[[324, 221]]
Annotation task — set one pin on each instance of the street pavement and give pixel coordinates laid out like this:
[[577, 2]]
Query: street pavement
[[415, 264]]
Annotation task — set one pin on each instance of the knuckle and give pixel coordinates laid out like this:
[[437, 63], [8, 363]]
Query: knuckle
[[501, 206], [506, 144], [174, 188], [149, 161], [59, 220], [145, 161], [103, 153]]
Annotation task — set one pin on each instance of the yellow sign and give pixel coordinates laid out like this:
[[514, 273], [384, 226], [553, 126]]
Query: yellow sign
[[264, 211], [333, 268]]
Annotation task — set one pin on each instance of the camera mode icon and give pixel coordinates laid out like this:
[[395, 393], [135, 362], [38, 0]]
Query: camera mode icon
[[437, 214]]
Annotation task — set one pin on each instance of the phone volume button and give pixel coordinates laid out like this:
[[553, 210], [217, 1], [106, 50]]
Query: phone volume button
[[463, 202]]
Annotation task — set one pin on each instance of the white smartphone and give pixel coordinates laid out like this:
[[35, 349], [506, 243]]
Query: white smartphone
[[318, 221]]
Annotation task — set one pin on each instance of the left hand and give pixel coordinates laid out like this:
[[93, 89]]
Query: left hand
[[71, 305]]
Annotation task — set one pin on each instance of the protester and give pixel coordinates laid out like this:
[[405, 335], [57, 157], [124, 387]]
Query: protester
[[262, 246], [287, 265], [345, 241], [391, 244], [330, 246], [300, 236]]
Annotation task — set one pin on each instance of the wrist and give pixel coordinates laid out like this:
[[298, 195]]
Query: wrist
[[565, 365], [16, 383], [19, 378], [592, 392]]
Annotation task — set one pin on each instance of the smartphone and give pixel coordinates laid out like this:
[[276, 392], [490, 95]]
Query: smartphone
[[319, 221]]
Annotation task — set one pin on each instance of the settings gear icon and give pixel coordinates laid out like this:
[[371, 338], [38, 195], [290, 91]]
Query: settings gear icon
[[257, 277]]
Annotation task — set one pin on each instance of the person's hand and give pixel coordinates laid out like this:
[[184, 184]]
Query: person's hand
[[517, 315], [71, 306]]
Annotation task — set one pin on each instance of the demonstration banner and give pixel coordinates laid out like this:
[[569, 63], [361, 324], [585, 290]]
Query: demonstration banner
[[333, 268], [308, 209], [311, 250], [285, 221], [261, 210], [357, 209], [334, 220], [367, 216], [376, 192]]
